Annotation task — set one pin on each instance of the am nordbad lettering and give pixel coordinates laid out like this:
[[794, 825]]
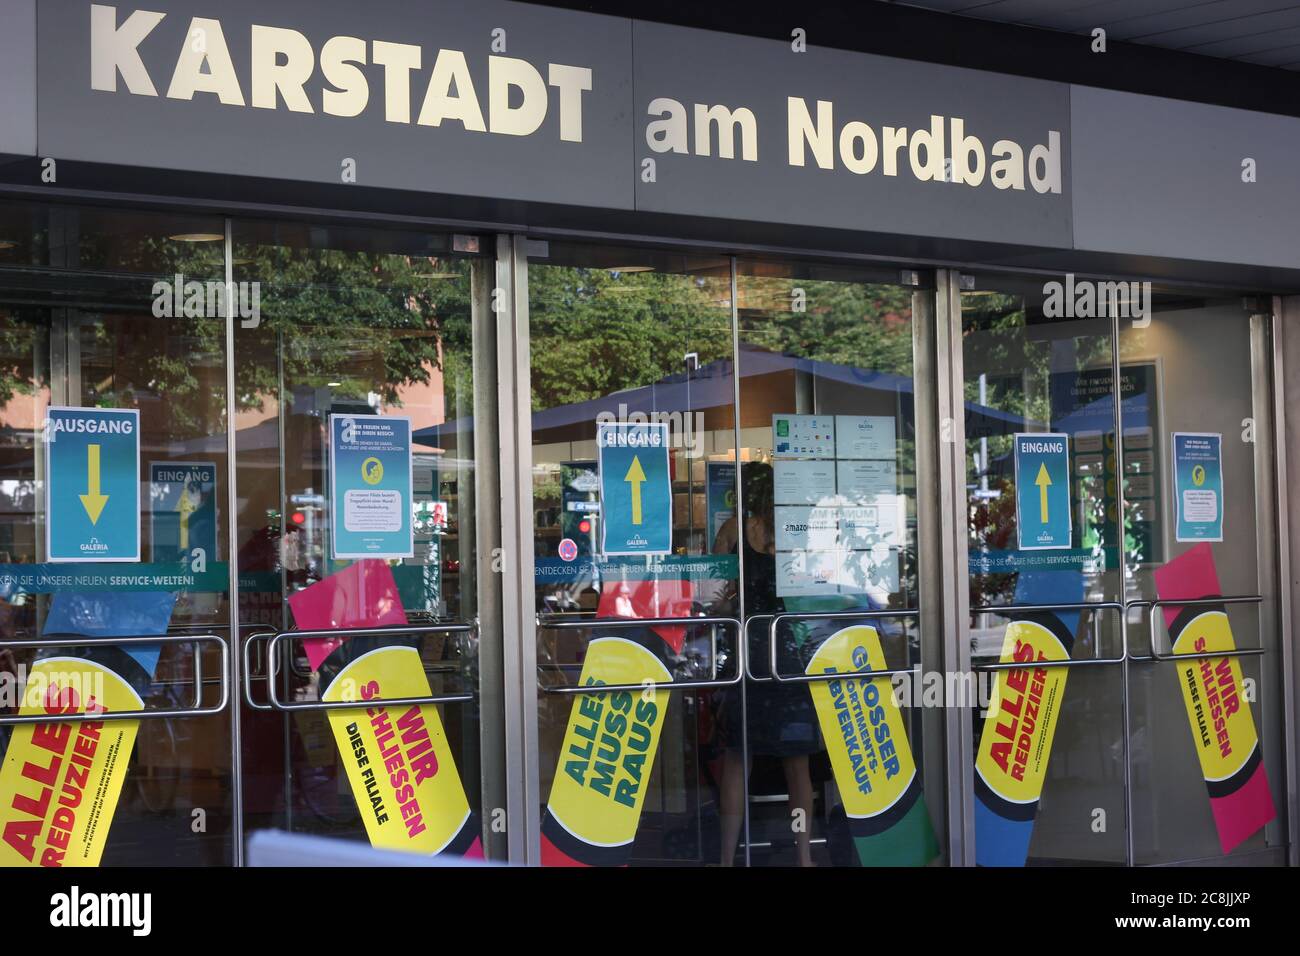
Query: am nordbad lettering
[[347, 76]]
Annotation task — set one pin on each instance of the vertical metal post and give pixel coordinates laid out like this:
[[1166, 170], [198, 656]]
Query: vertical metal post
[[285, 723], [1271, 699], [1117, 396], [954, 596], [232, 564], [1286, 394], [494, 760], [930, 549], [740, 557], [519, 619]]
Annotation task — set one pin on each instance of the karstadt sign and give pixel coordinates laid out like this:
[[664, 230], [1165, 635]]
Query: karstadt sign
[[511, 101]]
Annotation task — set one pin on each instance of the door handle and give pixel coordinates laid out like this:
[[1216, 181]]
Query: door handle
[[1006, 610], [77, 640], [775, 624], [630, 622], [276, 704], [1156, 656]]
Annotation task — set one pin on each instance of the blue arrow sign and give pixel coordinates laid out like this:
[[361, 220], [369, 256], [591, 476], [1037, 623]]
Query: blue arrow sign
[[92, 484], [1043, 519], [635, 488]]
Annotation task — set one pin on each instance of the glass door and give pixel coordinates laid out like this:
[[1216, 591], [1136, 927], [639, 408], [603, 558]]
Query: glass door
[[633, 477], [835, 769], [364, 477], [714, 567], [113, 527], [1105, 562]]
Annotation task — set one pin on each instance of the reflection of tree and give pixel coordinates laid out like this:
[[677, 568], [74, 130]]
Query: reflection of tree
[[855, 324], [593, 332], [20, 330], [371, 322]]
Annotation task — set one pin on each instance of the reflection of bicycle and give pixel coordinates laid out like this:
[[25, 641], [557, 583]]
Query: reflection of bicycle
[[155, 779], [315, 773]]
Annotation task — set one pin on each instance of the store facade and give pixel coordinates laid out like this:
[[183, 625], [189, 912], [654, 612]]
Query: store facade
[[516, 431]]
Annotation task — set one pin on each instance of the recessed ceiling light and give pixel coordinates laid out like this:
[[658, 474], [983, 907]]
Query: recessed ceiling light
[[333, 384], [197, 237]]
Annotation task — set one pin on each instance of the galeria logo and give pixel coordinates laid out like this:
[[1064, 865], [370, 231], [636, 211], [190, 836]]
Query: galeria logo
[[74, 908]]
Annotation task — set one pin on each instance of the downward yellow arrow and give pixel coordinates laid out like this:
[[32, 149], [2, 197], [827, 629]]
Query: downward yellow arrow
[[92, 500], [1043, 481], [635, 476]]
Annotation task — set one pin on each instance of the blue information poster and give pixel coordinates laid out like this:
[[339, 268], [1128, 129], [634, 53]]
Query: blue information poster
[[92, 486], [183, 510], [370, 486], [1043, 519], [720, 497], [1198, 486], [636, 492]]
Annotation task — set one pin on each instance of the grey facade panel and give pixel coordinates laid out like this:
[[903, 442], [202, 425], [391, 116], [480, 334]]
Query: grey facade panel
[[1158, 177], [18, 77]]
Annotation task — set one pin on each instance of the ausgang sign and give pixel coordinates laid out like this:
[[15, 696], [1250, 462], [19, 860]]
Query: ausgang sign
[[514, 101]]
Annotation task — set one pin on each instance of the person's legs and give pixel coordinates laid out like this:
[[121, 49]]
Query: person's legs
[[733, 803], [798, 781]]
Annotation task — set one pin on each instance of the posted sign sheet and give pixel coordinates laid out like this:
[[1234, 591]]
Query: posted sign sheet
[[1198, 486], [370, 486]]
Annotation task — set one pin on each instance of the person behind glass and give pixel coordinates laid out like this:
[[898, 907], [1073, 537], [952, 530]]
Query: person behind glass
[[781, 719]]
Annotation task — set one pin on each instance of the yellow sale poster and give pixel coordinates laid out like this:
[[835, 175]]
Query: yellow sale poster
[[398, 762], [60, 782], [871, 758], [606, 758]]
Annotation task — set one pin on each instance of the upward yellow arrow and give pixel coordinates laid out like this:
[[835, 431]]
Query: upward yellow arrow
[[634, 477], [92, 500], [184, 507], [1043, 481]]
